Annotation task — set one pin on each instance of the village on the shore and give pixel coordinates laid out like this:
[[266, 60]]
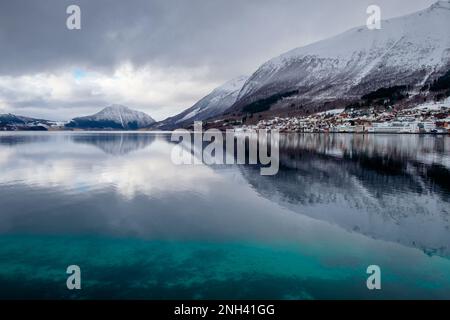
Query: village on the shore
[[431, 117]]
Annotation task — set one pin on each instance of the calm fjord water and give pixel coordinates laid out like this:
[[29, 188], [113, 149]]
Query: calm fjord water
[[142, 227]]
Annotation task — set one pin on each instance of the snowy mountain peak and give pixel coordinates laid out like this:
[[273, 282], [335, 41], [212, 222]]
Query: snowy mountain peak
[[115, 111], [409, 50], [114, 117], [117, 107]]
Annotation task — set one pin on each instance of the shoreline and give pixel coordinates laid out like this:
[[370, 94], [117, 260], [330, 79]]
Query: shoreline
[[223, 131]]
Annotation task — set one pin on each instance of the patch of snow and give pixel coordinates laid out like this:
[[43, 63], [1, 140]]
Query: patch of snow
[[191, 114], [331, 112], [434, 105]]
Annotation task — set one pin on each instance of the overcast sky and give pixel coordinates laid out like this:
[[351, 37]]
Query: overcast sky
[[157, 56]]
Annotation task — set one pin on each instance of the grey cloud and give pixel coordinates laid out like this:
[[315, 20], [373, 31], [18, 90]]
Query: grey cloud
[[223, 34]]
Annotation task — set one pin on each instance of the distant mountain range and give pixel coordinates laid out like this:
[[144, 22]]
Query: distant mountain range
[[114, 117], [13, 122]]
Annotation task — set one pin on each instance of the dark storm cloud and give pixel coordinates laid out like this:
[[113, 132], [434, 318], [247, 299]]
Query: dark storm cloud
[[226, 35]]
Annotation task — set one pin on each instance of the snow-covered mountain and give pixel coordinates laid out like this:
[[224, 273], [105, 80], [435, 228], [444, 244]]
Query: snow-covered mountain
[[113, 117], [410, 50], [214, 104], [13, 122]]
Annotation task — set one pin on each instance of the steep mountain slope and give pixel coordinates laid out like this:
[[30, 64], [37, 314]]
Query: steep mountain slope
[[411, 50], [214, 104], [113, 117]]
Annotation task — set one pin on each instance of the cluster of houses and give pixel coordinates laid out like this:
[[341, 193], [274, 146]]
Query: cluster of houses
[[430, 118]]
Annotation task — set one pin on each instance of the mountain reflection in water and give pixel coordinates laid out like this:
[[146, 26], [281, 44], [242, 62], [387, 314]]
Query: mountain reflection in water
[[115, 144], [390, 187]]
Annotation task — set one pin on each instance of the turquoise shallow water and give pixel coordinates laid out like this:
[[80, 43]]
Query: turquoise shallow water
[[141, 227], [129, 269]]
